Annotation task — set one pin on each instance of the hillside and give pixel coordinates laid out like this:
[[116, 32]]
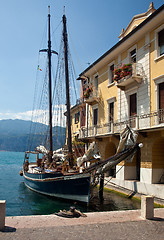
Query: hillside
[[14, 135]]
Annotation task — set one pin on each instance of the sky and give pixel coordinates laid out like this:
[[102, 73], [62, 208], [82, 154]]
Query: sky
[[93, 26]]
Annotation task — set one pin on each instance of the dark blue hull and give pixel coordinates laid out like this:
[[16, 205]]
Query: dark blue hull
[[74, 187]]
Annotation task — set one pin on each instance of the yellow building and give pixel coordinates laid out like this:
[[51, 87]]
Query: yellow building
[[77, 122], [126, 86]]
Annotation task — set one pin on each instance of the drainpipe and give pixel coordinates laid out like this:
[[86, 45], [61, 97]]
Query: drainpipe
[[86, 125], [120, 109]]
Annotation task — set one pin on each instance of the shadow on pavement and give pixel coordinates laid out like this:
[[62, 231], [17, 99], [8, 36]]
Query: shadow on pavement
[[158, 219], [8, 229]]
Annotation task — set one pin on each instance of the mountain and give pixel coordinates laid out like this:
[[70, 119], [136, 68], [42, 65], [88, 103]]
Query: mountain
[[14, 135], [14, 127]]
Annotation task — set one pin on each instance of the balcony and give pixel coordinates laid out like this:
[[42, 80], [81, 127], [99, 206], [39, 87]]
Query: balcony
[[80, 101], [91, 96], [128, 75], [141, 122]]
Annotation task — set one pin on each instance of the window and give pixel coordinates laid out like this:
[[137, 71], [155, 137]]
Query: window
[[159, 99], [85, 84], [161, 42], [110, 112], [77, 117], [95, 116], [133, 56], [133, 109], [110, 73], [96, 80], [86, 81], [83, 113], [111, 69], [161, 102]]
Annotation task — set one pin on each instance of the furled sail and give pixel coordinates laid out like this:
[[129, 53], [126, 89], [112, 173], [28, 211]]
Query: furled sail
[[128, 137], [90, 153], [42, 149], [125, 152]]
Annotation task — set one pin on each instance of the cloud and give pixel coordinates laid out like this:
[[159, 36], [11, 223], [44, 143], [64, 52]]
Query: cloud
[[20, 115], [38, 115]]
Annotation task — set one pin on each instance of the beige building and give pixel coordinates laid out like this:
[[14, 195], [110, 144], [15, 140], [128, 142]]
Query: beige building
[[126, 86]]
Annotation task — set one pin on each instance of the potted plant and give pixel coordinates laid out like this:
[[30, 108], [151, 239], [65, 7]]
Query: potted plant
[[87, 92], [116, 74], [126, 70]]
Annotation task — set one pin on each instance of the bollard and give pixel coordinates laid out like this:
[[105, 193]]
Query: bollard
[[2, 213], [147, 207]]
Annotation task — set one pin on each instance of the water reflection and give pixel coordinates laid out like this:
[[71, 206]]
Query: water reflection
[[32, 203], [113, 202], [35, 204]]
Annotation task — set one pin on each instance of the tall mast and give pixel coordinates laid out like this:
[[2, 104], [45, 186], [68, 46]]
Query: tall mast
[[50, 88], [69, 142], [49, 52]]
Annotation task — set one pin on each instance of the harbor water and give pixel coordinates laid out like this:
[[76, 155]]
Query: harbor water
[[21, 201]]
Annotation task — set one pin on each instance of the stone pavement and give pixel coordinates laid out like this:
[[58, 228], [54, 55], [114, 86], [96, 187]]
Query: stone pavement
[[117, 225]]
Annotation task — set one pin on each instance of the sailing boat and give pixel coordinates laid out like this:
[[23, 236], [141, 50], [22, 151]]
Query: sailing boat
[[54, 173], [41, 176]]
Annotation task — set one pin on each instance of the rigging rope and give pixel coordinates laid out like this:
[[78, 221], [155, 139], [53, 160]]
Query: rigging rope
[[40, 105], [107, 181]]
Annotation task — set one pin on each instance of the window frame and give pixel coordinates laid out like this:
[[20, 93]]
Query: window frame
[[93, 108], [157, 81], [157, 48], [109, 101], [128, 93], [77, 117], [86, 84], [96, 77], [110, 82], [129, 51]]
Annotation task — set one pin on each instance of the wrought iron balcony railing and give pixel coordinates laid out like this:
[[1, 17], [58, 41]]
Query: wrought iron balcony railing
[[138, 122]]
